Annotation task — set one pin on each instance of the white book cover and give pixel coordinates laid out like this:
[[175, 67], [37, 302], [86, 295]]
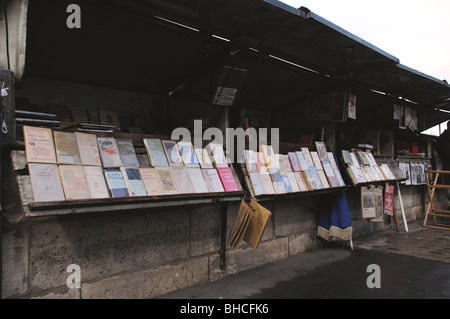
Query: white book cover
[[134, 181], [212, 180], [88, 147], [256, 183], [45, 182], [183, 180], [151, 181], [198, 181], [96, 182]]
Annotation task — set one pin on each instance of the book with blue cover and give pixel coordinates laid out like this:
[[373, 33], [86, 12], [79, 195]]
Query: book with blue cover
[[116, 183]]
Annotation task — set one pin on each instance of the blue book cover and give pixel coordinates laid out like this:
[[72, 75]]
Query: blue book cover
[[116, 183]]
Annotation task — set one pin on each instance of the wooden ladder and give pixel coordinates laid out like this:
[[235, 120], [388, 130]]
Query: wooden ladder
[[431, 210]]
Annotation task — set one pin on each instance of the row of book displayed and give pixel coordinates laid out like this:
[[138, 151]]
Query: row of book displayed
[[67, 166], [300, 171], [363, 167], [52, 182], [414, 172]]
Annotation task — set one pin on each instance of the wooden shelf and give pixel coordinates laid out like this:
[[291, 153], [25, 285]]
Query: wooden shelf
[[36, 209], [299, 194]]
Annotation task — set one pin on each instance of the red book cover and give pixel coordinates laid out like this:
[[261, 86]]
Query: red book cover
[[227, 179]]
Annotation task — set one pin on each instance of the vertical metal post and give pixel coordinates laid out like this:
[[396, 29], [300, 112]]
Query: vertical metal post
[[223, 234], [401, 206]]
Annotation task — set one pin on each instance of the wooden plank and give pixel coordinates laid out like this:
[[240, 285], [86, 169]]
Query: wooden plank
[[297, 194]]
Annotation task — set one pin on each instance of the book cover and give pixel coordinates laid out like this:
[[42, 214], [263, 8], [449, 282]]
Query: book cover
[[313, 178], [302, 161], [134, 182], [293, 182], [197, 179], [323, 178], [316, 160], [109, 117], [307, 156], [250, 161], [330, 174], [45, 182], [66, 148], [227, 179], [294, 161], [276, 176], [347, 158], [406, 171], [172, 153], [302, 182], [336, 170], [74, 182], [322, 151], [116, 183], [203, 158], [260, 163], [285, 164], [287, 183], [266, 183], [143, 160], [151, 181], [357, 173], [236, 178], [39, 146], [355, 161], [279, 187], [212, 180], [256, 183], [167, 180], [155, 152], [270, 158], [388, 174], [109, 152], [183, 180], [218, 155], [96, 182], [187, 154], [88, 148], [127, 153]]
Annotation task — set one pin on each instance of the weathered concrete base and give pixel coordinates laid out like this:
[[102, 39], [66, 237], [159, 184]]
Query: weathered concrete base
[[146, 254]]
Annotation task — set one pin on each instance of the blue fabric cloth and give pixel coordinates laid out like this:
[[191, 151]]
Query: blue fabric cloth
[[334, 221], [335, 212]]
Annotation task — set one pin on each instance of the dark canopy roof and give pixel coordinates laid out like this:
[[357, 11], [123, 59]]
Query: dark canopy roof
[[179, 47]]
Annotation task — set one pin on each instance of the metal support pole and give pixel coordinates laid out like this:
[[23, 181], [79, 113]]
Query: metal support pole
[[223, 234], [401, 206]]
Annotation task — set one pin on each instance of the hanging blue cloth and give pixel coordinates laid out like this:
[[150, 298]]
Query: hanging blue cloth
[[334, 222]]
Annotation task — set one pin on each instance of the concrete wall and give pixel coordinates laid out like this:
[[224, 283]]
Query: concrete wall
[[146, 253]]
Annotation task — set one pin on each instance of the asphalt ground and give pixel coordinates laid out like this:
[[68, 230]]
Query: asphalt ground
[[383, 265]]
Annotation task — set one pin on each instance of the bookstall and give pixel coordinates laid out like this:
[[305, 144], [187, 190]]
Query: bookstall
[[94, 175]]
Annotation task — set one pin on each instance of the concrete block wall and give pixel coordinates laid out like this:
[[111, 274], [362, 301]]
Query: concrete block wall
[[147, 253]]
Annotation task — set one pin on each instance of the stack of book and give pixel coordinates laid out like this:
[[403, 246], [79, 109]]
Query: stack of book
[[69, 166], [269, 173], [362, 167]]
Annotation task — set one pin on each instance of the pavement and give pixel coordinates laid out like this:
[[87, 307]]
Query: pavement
[[387, 264]]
